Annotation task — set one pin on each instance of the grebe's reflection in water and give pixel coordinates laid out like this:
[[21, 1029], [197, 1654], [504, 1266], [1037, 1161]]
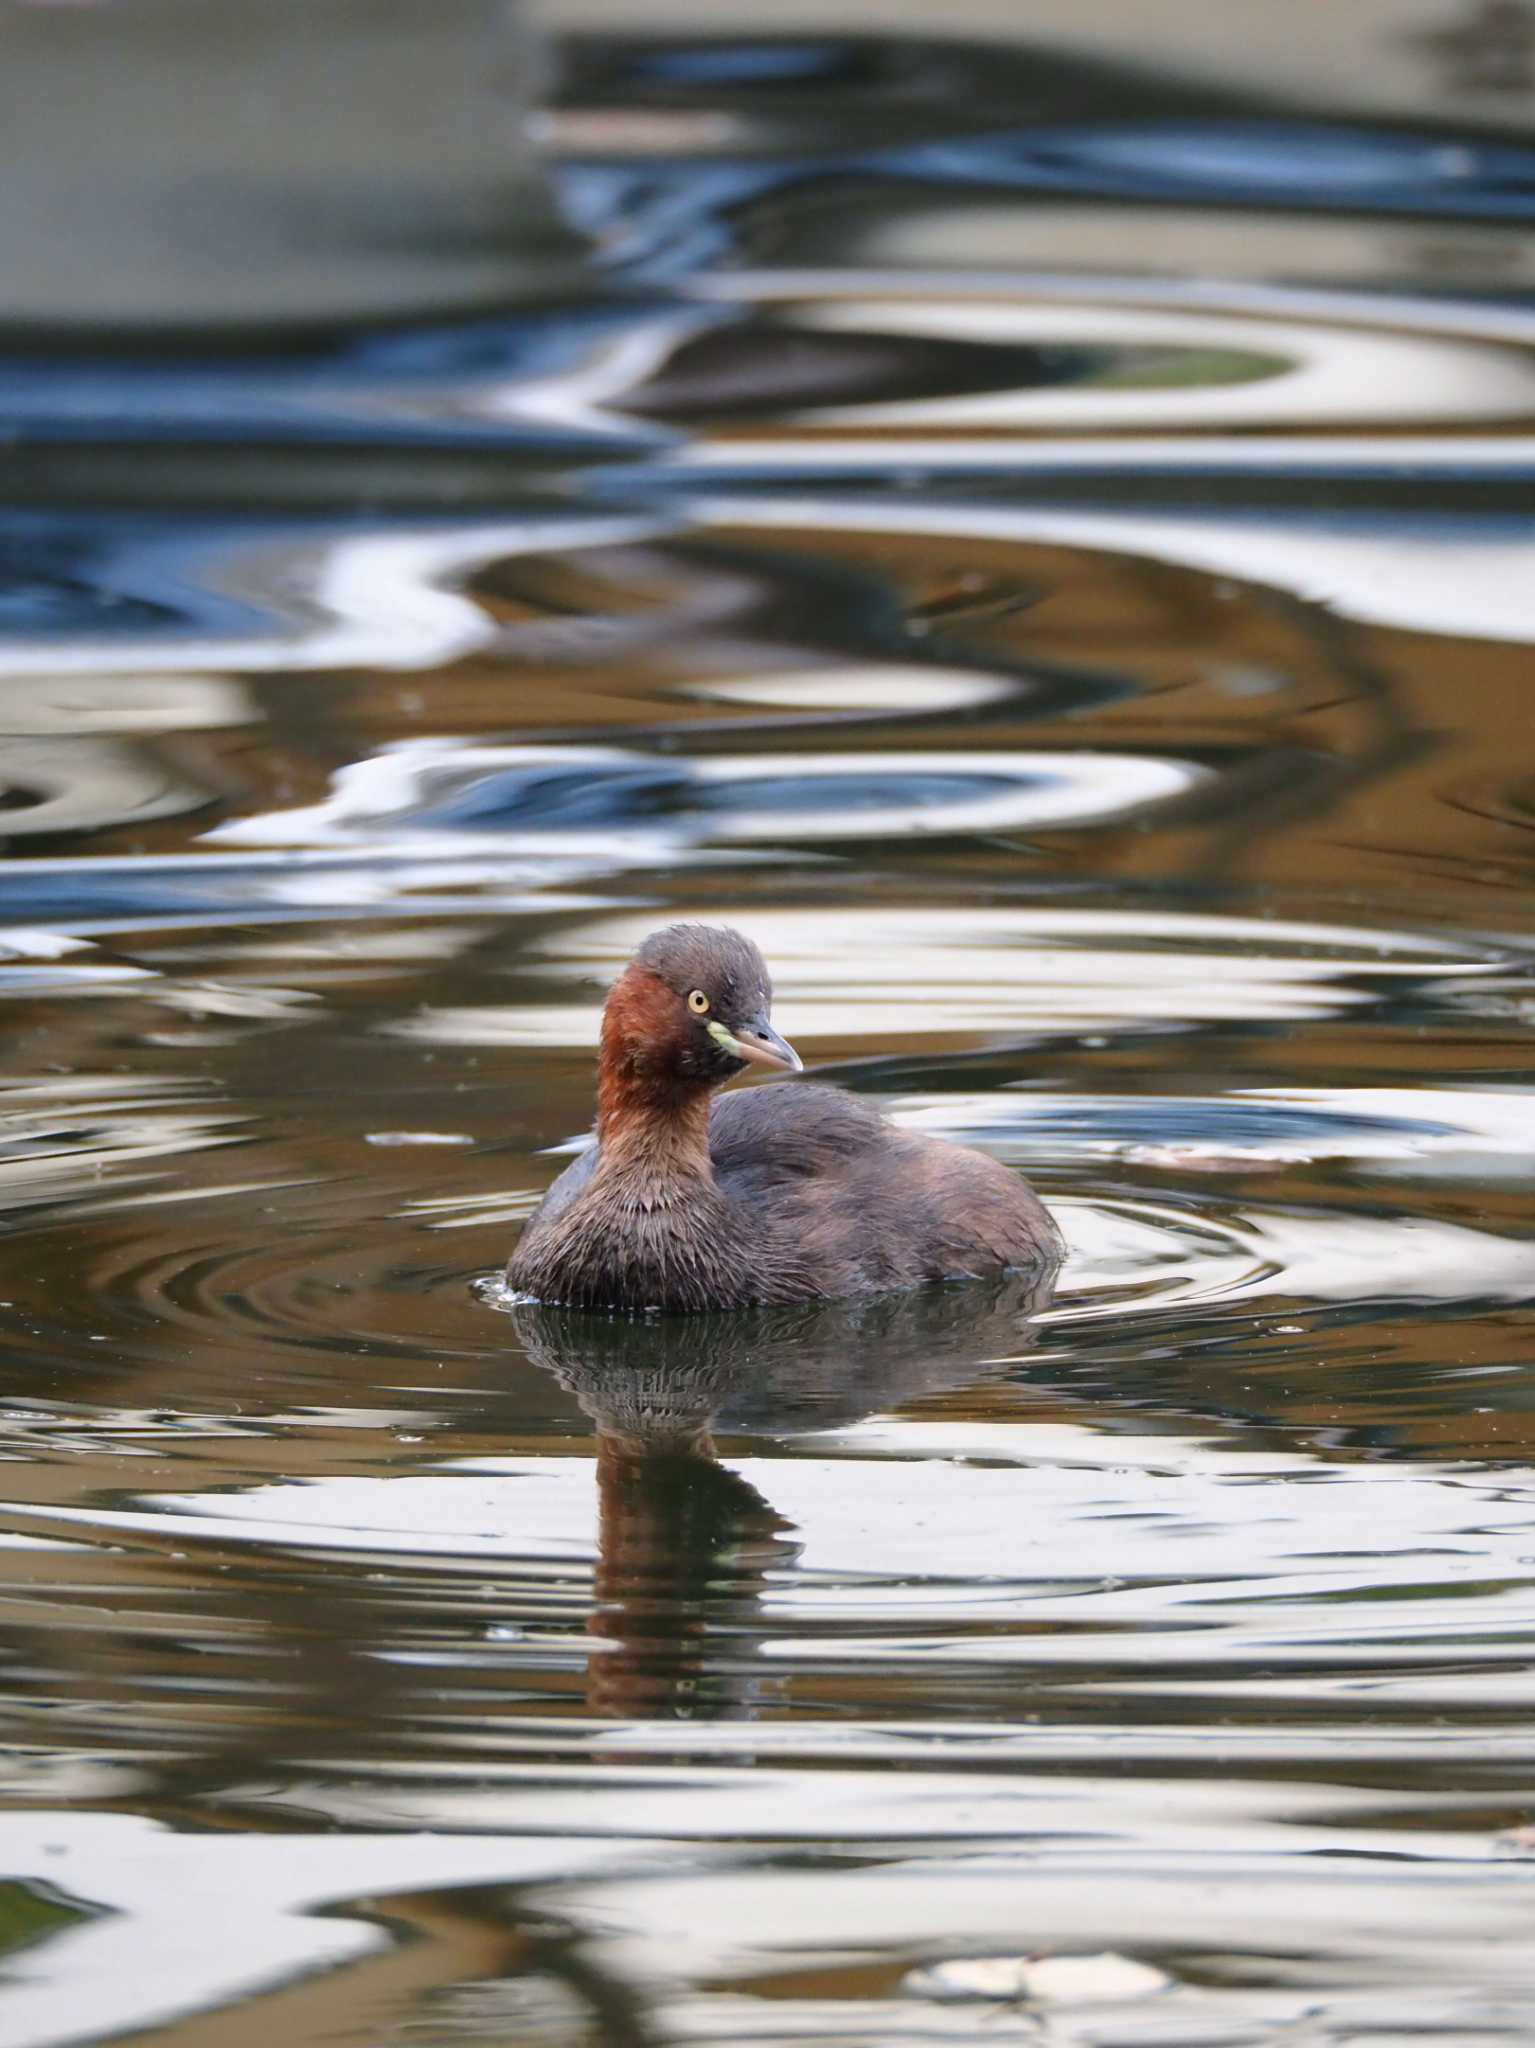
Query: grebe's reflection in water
[[686, 1547]]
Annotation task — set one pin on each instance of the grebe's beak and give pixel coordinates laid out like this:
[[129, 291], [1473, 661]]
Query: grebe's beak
[[761, 1044]]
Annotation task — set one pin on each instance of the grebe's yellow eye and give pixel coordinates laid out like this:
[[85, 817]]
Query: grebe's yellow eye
[[698, 1002]]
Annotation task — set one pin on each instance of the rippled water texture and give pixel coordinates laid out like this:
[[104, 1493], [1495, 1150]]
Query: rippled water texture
[[1044, 544]]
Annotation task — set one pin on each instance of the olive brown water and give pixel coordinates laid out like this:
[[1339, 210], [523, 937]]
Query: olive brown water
[[1047, 550]]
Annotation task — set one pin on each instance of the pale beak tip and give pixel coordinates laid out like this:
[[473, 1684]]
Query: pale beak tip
[[762, 1045]]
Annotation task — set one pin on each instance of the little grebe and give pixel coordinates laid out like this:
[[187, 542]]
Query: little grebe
[[778, 1195]]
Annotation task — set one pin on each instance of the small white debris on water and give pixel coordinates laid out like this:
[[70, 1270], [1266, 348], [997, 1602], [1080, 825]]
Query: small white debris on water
[[1039, 1980], [418, 1138]]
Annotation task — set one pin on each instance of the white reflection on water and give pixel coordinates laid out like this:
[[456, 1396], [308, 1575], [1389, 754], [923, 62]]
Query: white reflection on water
[[333, 597], [919, 971], [1270, 373], [448, 796], [1129, 1258], [54, 784], [1279, 263], [1307, 293], [862, 686], [190, 1922], [1428, 578], [1467, 1132], [107, 702], [904, 1518], [195, 1919], [1425, 457]]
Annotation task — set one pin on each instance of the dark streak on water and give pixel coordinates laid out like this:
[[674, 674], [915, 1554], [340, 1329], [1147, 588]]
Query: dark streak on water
[[1066, 586]]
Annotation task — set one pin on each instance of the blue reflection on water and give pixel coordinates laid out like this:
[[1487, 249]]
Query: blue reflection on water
[[1218, 1125], [1297, 164], [668, 217], [87, 572], [467, 384], [737, 64]]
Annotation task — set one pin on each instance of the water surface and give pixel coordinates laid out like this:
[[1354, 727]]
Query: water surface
[[1065, 587]]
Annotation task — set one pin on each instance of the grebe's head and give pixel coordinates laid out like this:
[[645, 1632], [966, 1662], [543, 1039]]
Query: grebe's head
[[694, 1009]]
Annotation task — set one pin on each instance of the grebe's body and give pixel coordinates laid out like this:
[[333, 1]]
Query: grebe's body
[[690, 1202]]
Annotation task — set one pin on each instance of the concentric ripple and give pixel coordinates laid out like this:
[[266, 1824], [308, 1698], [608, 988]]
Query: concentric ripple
[[264, 1320], [1003, 973]]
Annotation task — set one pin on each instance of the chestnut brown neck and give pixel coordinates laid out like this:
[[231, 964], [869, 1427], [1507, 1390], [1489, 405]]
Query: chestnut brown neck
[[650, 1120]]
